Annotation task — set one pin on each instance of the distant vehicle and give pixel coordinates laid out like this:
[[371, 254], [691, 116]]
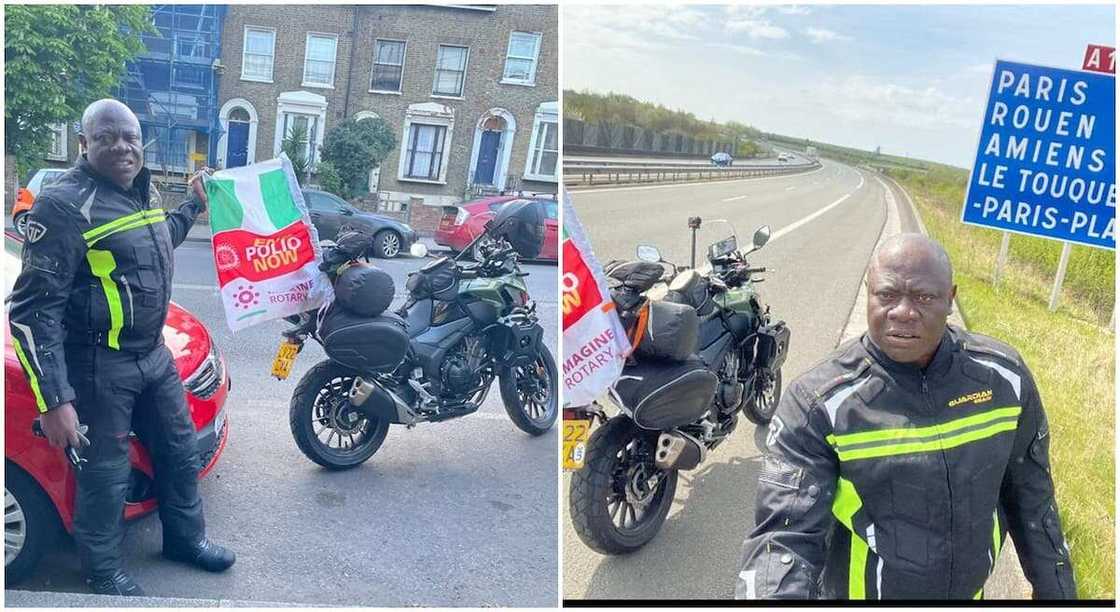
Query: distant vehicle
[[785, 157], [461, 224], [722, 159], [330, 212], [26, 196]]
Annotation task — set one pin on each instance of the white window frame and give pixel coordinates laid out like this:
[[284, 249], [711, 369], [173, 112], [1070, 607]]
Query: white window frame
[[466, 68], [244, 52], [307, 57], [300, 103], [58, 134], [434, 114], [532, 80], [546, 113], [373, 65]]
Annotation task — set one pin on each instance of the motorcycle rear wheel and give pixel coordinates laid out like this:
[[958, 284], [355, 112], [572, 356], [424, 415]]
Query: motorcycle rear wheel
[[614, 509], [320, 407], [530, 394]]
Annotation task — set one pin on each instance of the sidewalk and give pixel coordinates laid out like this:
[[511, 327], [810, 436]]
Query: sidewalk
[[48, 599]]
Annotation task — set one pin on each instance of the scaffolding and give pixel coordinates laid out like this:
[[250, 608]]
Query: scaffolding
[[173, 87]]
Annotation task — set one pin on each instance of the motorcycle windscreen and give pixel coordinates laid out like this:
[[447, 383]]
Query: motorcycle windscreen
[[664, 395], [364, 344], [521, 223]]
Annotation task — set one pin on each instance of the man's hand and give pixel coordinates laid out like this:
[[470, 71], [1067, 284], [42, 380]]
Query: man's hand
[[197, 185], [60, 425]]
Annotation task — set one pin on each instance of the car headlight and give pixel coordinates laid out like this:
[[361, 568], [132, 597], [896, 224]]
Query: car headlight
[[207, 378]]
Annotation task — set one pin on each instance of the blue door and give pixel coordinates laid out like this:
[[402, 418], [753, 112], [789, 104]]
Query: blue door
[[487, 157], [237, 151]]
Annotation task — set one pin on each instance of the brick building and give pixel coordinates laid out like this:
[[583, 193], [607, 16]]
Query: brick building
[[470, 91]]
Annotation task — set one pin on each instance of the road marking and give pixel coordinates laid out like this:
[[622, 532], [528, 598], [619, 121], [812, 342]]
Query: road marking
[[693, 184], [796, 224], [734, 198], [791, 187], [194, 287]]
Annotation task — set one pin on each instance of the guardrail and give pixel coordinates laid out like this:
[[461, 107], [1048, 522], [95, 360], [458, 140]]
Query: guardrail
[[585, 174]]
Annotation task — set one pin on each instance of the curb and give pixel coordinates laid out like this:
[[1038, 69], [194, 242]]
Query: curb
[[48, 599], [1007, 580]]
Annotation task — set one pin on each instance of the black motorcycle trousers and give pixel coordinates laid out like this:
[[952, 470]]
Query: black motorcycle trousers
[[118, 392]]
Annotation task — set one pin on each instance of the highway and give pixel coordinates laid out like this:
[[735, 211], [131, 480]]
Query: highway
[[824, 225]]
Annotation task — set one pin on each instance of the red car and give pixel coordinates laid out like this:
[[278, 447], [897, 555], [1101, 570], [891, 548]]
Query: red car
[[462, 224], [38, 482]]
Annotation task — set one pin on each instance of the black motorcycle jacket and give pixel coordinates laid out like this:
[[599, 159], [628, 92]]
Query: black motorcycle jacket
[[882, 480], [97, 268]]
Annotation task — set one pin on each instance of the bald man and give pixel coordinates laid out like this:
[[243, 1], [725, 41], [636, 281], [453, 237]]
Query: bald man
[[896, 467], [87, 314]]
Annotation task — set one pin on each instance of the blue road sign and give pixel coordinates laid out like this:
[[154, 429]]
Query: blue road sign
[[1046, 160]]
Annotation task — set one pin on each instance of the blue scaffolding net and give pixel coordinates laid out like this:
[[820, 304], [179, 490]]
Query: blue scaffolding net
[[173, 86]]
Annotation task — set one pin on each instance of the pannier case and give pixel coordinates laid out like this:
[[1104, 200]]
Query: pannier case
[[661, 395]]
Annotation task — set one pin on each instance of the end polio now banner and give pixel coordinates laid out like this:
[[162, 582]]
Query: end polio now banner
[[265, 248], [595, 344]]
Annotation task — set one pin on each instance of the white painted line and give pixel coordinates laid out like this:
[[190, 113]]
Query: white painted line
[[796, 224], [194, 287], [791, 187], [576, 192], [734, 198]]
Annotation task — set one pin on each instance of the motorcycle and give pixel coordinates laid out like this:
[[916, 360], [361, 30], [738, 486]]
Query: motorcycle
[[435, 358], [704, 353]]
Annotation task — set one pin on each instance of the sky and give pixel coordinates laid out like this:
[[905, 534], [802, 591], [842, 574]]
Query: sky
[[910, 79]]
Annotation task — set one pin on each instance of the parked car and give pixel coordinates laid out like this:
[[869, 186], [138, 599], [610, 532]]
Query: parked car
[[722, 159], [26, 196], [330, 212], [39, 484], [460, 225]]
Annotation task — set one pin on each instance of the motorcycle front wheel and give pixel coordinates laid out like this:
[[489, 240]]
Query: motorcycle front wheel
[[619, 499], [763, 398], [326, 428], [530, 394]]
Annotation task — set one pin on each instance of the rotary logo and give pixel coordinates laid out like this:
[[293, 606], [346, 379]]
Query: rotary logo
[[225, 257], [246, 297]]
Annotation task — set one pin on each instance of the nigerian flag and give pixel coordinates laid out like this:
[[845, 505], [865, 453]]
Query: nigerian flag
[[265, 248]]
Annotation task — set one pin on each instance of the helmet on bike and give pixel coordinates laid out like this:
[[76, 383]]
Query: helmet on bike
[[521, 224]]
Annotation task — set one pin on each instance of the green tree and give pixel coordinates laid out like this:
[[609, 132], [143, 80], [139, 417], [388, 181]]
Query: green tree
[[328, 176], [294, 145], [353, 148], [58, 59]]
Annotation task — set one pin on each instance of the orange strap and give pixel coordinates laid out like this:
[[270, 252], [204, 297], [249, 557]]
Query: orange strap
[[639, 330]]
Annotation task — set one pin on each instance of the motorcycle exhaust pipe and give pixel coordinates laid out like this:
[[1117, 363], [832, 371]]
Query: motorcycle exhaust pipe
[[360, 391], [678, 451]]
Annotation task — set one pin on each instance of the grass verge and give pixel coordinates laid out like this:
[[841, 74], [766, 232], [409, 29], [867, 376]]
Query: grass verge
[[1070, 354]]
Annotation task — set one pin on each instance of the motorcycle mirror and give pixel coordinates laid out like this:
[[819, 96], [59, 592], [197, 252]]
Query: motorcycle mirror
[[761, 237], [418, 250], [648, 252]]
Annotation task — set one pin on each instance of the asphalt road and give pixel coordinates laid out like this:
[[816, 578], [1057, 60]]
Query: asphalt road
[[824, 225], [460, 513]]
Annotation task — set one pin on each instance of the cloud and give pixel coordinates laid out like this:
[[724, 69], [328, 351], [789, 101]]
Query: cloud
[[739, 49], [821, 35], [599, 24], [794, 9], [861, 98], [752, 20]]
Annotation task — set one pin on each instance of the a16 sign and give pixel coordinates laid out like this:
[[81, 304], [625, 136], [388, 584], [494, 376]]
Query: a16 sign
[[1099, 58]]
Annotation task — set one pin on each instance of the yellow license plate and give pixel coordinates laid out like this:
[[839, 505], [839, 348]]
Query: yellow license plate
[[285, 357], [576, 433]]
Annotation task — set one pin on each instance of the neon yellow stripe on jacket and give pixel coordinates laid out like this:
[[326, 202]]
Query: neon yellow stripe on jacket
[[31, 377], [102, 264], [885, 435], [844, 507], [127, 222], [931, 445]]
